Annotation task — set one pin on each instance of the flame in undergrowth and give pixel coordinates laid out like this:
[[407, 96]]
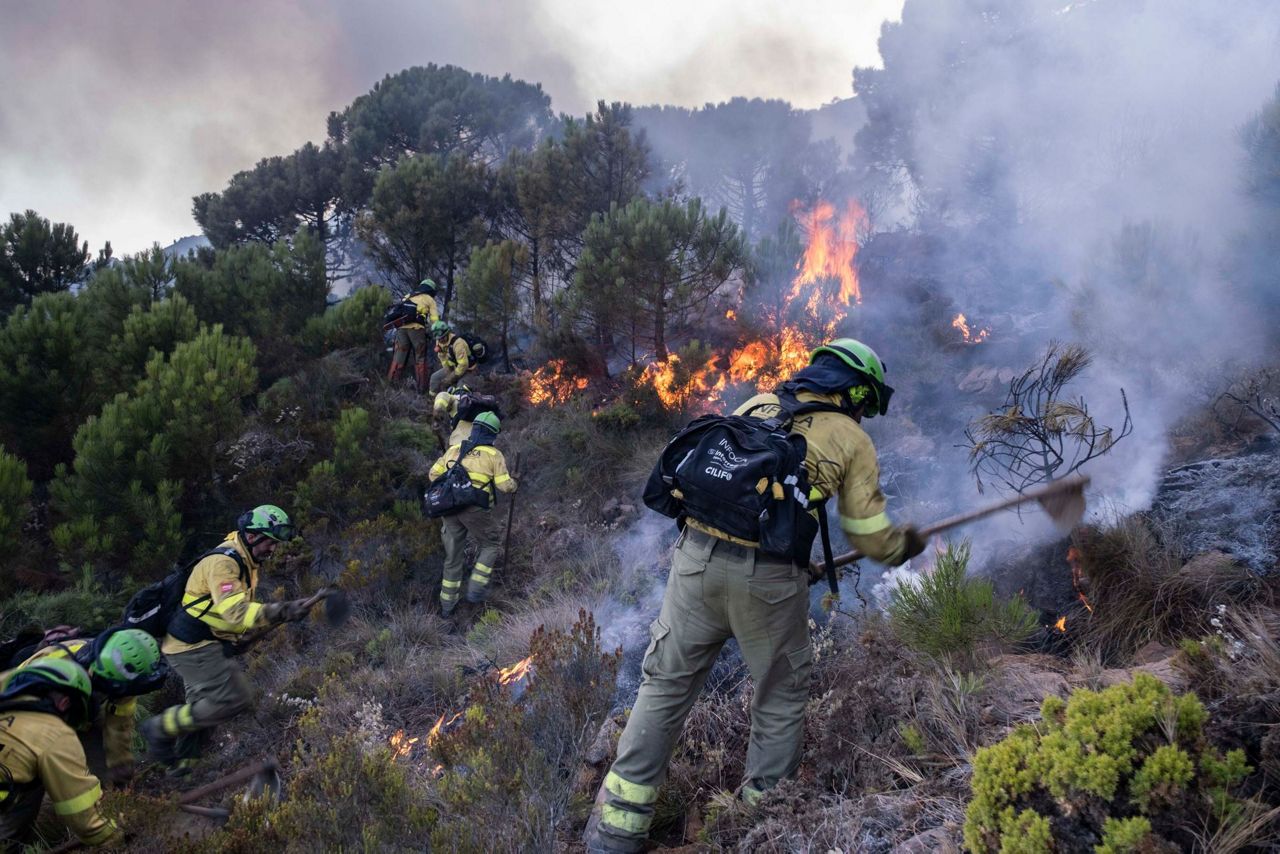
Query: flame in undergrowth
[[971, 336], [516, 672], [1061, 625], [553, 384], [401, 745], [443, 724], [833, 245], [1078, 580]]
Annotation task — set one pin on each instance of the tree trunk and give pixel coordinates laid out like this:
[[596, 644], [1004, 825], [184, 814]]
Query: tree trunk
[[660, 325]]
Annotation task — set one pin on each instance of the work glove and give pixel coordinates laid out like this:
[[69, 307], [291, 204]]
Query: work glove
[[914, 543], [286, 612]]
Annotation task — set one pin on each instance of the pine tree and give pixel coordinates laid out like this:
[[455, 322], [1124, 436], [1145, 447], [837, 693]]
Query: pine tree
[[38, 257], [490, 293]]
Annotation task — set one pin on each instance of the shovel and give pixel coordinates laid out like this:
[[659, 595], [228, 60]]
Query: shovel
[[1062, 499]]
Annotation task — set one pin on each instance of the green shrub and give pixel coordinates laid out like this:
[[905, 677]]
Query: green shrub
[[15, 495], [948, 614], [148, 458], [354, 322], [1115, 766], [85, 605]]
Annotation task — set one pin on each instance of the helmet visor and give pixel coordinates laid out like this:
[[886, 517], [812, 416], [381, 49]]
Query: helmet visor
[[282, 531]]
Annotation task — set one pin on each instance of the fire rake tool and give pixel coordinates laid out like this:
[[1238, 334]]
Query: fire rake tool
[[1062, 499]]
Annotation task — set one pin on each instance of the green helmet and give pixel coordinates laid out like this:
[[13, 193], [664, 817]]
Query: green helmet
[[49, 674], [439, 329], [266, 519], [426, 286], [126, 655], [488, 419], [864, 361]]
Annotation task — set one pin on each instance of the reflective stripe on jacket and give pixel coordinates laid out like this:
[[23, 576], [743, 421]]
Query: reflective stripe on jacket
[[485, 465], [218, 597], [428, 313], [38, 747]]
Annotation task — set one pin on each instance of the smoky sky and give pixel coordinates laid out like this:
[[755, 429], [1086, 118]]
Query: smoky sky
[[115, 114]]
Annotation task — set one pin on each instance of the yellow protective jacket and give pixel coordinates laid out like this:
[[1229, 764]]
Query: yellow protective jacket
[[447, 404], [840, 461], [454, 354], [115, 716], [39, 747], [218, 597], [428, 313], [485, 465]]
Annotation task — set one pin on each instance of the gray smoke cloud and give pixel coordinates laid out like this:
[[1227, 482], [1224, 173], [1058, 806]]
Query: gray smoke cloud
[[116, 114]]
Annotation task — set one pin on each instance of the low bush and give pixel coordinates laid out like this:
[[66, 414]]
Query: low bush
[[1124, 769], [947, 614]]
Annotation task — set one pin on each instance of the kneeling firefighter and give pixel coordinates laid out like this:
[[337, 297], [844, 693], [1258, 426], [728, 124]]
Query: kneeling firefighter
[[41, 705], [123, 665], [486, 469], [454, 410], [724, 584], [454, 354], [204, 635]]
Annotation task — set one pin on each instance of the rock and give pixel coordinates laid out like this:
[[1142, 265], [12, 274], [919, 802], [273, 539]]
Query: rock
[[940, 840], [610, 507], [977, 379], [1154, 651], [601, 750]]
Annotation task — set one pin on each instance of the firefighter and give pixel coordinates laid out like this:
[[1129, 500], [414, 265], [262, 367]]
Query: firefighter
[[454, 355], [123, 664], [413, 335], [720, 587], [216, 613], [42, 703], [454, 410], [487, 468]]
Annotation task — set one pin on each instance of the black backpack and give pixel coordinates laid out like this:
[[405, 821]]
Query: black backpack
[[152, 607], [471, 404], [744, 476], [479, 349], [399, 314], [453, 491]]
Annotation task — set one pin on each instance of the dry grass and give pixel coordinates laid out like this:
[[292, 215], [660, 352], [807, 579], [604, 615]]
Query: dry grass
[[1142, 588]]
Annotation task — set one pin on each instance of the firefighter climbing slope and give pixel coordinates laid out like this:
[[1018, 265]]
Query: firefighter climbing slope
[[123, 664], [464, 485], [41, 705], [734, 576], [454, 354], [411, 334], [206, 633], [454, 410]]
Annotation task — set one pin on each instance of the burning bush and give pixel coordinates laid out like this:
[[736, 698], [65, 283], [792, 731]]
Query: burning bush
[[946, 615], [1123, 769]]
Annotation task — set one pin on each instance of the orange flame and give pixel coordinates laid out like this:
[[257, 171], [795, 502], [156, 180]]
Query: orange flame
[[970, 336], [442, 726], [516, 672], [833, 245], [1061, 625], [551, 384], [401, 745], [1078, 580]]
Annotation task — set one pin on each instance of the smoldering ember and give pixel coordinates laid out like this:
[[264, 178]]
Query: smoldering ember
[[733, 427]]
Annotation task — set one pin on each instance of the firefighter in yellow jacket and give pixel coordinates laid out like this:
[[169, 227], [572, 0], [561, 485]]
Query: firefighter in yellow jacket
[[454, 355], [123, 664], [722, 587], [41, 704], [487, 468], [413, 335], [217, 611]]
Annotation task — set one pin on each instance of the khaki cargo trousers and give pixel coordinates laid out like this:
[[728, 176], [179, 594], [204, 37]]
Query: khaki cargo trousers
[[217, 690], [716, 590], [455, 530]]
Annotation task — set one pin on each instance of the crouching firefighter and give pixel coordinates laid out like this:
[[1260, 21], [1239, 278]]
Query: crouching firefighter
[[734, 575], [454, 354], [412, 335], [208, 630], [41, 705], [123, 665], [464, 485], [455, 409]]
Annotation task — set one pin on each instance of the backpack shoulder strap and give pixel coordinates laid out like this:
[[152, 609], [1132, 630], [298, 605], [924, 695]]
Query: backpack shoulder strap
[[225, 551]]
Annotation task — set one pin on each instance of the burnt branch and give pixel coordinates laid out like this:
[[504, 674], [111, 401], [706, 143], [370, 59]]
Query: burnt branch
[[1038, 434], [1256, 394]]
